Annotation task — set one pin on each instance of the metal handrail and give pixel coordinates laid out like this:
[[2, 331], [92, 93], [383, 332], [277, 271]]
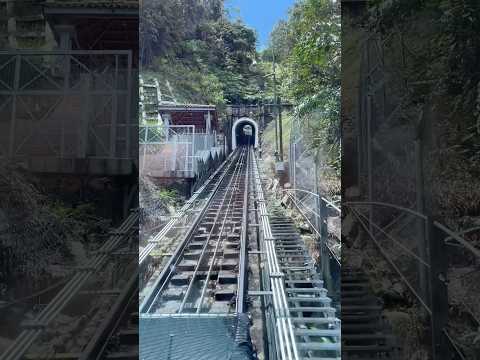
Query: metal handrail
[[318, 233], [286, 336], [451, 235], [380, 203], [329, 202], [457, 237], [390, 261]]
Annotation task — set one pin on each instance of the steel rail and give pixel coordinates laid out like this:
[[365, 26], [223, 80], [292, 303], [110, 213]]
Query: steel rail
[[243, 266], [183, 210], [98, 345], [26, 338], [285, 332], [219, 240], [202, 254], [327, 201], [169, 268]]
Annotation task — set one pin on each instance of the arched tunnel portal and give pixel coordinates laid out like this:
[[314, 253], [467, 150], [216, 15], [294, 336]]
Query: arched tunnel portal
[[244, 131]]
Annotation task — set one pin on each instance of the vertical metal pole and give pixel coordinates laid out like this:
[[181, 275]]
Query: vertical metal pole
[[145, 147], [113, 123], [280, 130], [294, 167], [193, 152], [439, 291], [275, 100], [325, 255], [66, 85], [422, 240], [128, 115], [173, 163], [263, 117], [13, 118], [369, 161], [83, 133], [318, 221]]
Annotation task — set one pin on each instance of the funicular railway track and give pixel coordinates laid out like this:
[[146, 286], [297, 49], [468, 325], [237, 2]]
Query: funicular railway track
[[113, 322], [207, 274], [202, 276]]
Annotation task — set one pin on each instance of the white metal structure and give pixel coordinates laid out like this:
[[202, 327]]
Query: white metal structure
[[172, 151]]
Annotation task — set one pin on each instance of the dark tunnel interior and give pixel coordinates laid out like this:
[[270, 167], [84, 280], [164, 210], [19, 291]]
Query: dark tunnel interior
[[245, 134]]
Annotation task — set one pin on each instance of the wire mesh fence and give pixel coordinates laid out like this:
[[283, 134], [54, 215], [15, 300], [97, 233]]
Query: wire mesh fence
[[172, 151], [314, 193]]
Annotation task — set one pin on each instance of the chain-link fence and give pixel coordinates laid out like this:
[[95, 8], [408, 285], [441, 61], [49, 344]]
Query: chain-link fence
[[314, 193]]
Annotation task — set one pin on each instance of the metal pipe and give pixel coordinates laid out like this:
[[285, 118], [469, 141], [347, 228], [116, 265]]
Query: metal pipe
[[286, 337]]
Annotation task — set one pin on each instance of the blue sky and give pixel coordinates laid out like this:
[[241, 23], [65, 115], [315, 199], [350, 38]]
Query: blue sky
[[261, 15]]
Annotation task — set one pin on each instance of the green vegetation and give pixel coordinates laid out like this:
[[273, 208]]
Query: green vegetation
[[307, 49], [194, 46], [168, 196], [439, 92], [209, 58]]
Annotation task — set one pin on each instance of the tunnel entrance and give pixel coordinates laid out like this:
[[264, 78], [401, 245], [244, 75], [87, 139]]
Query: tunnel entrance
[[244, 131], [245, 135]]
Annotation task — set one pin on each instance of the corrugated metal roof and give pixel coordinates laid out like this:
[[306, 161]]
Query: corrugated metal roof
[[195, 337], [109, 4]]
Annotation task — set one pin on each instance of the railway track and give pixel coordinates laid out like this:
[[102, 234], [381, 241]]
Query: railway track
[[118, 336], [118, 244], [202, 276], [202, 288]]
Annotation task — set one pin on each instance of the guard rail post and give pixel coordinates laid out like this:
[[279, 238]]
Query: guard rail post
[[438, 290]]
